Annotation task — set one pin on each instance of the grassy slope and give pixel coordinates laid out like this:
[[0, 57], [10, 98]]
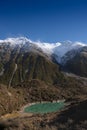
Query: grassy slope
[[31, 66]]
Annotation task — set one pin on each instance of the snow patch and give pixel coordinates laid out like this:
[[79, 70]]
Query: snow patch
[[15, 41], [47, 47]]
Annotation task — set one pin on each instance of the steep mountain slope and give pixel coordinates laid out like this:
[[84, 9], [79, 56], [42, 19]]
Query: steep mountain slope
[[31, 66], [78, 63], [10, 99], [22, 59]]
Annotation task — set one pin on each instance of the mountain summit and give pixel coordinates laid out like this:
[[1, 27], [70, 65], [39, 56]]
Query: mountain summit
[[58, 49]]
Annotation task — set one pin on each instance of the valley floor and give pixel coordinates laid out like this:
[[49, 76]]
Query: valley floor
[[73, 117]]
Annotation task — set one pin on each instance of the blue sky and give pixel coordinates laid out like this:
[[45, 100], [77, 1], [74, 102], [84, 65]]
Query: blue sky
[[45, 20]]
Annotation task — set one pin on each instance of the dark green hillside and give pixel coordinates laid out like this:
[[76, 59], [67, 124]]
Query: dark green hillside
[[78, 64], [30, 66]]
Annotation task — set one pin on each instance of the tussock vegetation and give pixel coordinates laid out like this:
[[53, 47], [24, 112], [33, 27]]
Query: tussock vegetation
[[73, 117]]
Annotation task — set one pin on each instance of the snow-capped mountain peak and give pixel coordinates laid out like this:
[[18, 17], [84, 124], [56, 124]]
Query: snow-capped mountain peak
[[15, 41], [58, 49], [65, 47], [47, 47]]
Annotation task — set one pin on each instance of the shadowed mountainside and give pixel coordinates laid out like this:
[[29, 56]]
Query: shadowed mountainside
[[78, 63]]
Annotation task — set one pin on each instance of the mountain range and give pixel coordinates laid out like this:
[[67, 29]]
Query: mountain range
[[36, 71], [22, 59]]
